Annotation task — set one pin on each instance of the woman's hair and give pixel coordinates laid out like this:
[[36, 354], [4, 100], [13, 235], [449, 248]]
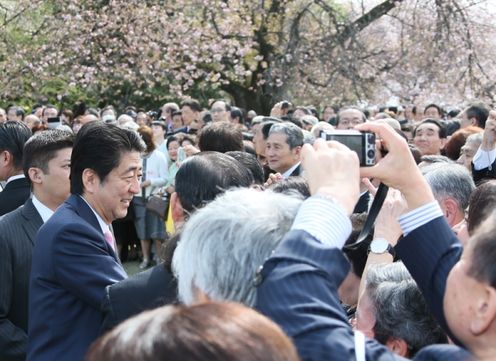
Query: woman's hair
[[146, 134], [203, 332]]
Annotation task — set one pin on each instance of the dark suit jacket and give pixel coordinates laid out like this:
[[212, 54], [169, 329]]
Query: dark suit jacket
[[483, 174], [146, 290], [299, 292], [72, 265], [14, 195], [17, 234], [296, 172]]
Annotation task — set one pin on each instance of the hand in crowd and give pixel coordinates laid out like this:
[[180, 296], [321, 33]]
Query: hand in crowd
[[386, 224], [489, 135], [190, 150], [398, 168], [273, 179], [332, 170]]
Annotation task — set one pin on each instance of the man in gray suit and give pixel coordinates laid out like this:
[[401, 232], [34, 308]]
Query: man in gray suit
[[46, 163]]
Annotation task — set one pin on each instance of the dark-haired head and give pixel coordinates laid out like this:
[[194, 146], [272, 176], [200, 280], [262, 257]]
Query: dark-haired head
[[217, 171], [99, 146], [43, 147], [220, 137], [251, 163], [13, 136]]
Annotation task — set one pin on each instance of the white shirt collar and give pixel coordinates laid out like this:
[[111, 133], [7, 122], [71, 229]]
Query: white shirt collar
[[14, 177], [287, 173], [104, 226], [43, 210]]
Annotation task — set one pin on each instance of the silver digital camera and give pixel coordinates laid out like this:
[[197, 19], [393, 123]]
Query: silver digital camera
[[363, 143]]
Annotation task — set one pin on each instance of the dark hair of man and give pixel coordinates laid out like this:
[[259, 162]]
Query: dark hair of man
[[217, 172], [401, 312], [237, 113], [482, 203], [251, 163], [99, 146], [265, 128], [292, 186], [483, 265], [205, 331], [13, 136], [43, 146], [433, 105], [192, 104], [220, 137], [478, 111], [442, 128], [357, 254], [146, 134]]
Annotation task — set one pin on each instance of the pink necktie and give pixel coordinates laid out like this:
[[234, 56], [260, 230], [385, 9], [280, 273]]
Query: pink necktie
[[110, 239]]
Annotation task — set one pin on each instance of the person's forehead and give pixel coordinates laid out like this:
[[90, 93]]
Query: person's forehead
[[432, 109], [427, 127], [219, 104], [278, 138], [128, 161], [350, 114]]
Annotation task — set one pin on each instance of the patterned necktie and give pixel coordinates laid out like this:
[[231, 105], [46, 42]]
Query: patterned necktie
[[110, 239]]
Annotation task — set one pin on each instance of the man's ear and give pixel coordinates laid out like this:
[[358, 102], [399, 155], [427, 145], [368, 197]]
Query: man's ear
[[473, 121], [451, 210], [35, 175], [485, 311], [297, 150], [398, 346], [6, 157], [90, 181], [177, 209]]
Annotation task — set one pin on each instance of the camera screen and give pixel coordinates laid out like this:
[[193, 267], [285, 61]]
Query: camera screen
[[354, 142]]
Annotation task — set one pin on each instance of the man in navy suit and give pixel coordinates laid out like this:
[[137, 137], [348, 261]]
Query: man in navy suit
[[13, 135], [300, 279], [75, 256]]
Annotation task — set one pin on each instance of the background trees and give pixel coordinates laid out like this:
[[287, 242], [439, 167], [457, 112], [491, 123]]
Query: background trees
[[256, 52]]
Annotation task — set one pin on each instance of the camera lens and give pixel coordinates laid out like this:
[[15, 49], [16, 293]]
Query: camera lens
[[371, 154]]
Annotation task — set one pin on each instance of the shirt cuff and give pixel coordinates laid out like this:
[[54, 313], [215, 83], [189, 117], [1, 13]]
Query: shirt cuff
[[324, 219], [483, 159], [420, 216]]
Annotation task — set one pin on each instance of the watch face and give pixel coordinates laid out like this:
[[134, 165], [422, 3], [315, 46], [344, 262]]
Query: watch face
[[379, 245]]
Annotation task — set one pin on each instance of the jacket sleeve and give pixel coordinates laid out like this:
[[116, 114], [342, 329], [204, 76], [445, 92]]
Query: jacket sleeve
[[13, 340]]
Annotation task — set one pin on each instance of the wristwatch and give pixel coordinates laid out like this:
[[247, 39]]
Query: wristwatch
[[381, 246]]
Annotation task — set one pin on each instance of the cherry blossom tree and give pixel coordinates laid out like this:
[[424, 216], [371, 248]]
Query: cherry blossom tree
[[255, 52]]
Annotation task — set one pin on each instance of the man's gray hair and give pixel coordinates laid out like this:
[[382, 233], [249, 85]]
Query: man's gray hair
[[223, 245], [400, 309], [450, 180], [293, 132]]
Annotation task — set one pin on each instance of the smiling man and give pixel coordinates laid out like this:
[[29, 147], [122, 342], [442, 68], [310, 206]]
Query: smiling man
[[429, 137], [75, 257], [283, 148]]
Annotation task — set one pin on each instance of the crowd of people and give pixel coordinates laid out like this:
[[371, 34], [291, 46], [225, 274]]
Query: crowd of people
[[262, 250]]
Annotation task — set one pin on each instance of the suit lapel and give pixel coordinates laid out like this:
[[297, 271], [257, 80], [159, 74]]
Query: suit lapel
[[32, 220], [84, 210]]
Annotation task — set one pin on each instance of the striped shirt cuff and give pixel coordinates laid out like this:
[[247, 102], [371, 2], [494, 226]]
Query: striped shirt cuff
[[419, 216], [324, 219]]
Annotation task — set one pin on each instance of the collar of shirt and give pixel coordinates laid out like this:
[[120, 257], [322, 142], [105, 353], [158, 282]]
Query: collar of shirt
[[287, 173], [14, 177], [104, 226], [43, 210]]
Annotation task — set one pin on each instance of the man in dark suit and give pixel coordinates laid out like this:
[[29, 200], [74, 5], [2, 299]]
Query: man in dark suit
[[283, 148], [74, 256], [300, 280], [13, 135], [47, 157]]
